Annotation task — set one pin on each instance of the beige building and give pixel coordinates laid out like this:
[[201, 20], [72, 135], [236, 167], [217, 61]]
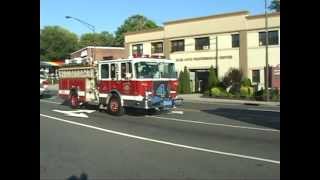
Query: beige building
[[237, 39]]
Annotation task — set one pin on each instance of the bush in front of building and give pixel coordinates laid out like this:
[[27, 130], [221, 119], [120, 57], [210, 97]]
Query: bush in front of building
[[180, 84], [219, 92], [187, 88], [184, 82], [213, 80], [232, 80], [246, 82], [246, 91], [261, 95]]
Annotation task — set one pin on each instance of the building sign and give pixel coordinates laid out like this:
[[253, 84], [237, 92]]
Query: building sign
[[202, 58]]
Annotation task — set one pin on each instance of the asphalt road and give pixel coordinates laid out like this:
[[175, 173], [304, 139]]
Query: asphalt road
[[207, 141]]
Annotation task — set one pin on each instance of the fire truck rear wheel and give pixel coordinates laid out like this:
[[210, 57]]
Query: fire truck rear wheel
[[114, 106], [74, 102]]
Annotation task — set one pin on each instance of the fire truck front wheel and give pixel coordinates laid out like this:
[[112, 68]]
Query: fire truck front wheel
[[114, 106]]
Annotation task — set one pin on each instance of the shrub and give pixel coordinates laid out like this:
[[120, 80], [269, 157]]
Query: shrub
[[233, 78], [186, 81], [181, 82], [206, 93], [212, 79], [274, 94], [246, 82], [219, 92], [246, 91], [215, 92]]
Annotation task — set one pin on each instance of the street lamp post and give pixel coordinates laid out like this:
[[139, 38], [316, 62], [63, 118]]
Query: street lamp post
[[91, 27], [267, 43]]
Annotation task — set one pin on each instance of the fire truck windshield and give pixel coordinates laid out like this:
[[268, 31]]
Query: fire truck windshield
[[155, 70]]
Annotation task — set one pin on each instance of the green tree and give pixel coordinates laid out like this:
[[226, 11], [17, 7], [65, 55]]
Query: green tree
[[181, 82], [186, 81], [275, 5], [97, 39], [233, 77], [56, 43], [133, 23], [212, 79]]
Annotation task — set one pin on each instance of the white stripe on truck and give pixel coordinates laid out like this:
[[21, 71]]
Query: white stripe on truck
[[66, 92]]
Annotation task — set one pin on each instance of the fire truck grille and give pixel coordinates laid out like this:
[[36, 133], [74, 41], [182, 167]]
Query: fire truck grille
[[161, 89]]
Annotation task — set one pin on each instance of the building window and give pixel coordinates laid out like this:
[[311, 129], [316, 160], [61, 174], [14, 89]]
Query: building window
[[177, 45], [256, 76], [157, 47], [235, 40], [202, 43], [137, 49], [104, 71], [107, 57], [125, 68], [113, 71], [273, 38]]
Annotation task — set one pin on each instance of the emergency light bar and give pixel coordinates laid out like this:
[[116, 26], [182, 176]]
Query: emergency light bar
[[76, 61], [137, 55]]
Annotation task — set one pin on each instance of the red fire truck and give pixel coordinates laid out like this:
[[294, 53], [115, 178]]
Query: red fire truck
[[145, 83]]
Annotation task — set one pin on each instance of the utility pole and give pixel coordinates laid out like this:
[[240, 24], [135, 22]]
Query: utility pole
[[217, 56], [267, 43]]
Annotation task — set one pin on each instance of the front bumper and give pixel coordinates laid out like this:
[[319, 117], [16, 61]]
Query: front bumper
[[162, 103], [43, 91]]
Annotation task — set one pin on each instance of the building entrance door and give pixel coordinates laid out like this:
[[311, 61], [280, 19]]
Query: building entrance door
[[201, 83]]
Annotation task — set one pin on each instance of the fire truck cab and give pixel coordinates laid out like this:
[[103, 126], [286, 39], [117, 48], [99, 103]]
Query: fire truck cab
[[145, 83]]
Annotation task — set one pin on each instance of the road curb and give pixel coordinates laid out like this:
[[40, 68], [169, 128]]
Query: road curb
[[229, 102]]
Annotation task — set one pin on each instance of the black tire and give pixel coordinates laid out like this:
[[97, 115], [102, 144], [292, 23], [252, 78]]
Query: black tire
[[74, 103], [114, 106], [153, 112]]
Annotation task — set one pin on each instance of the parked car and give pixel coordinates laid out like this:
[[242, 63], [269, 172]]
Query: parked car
[[43, 83]]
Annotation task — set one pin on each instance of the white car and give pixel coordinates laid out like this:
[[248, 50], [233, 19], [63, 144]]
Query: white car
[[43, 84]]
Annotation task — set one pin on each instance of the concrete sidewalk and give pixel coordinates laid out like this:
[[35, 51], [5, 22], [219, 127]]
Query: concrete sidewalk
[[199, 98]]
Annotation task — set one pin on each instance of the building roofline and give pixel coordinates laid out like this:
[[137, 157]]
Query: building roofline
[[208, 17], [98, 47], [144, 31], [263, 15]]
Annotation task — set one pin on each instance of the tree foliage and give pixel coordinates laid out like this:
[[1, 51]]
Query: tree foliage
[[233, 78], [181, 79], [97, 39], [275, 5], [131, 24], [212, 79], [184, 81], [56, 43]]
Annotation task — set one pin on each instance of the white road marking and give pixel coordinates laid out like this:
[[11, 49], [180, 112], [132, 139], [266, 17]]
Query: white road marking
[[206, 102], [50, 102], [163, 142], [213, 124], [176, 112], [76, 113], [267, 110]]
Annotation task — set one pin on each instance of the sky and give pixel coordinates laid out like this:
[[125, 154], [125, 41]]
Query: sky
[[108, 15]]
